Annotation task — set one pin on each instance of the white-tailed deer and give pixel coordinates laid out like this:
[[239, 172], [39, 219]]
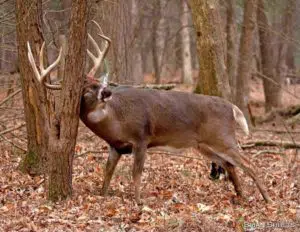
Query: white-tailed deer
[[131, 120]]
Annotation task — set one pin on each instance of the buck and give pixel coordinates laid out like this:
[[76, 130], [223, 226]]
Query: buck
[[131, 120]]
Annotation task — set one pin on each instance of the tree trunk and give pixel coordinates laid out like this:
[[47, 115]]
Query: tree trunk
[[159, 39], [137, 67], [187, 71], [281, 66], [272, 96], [213, 78], [34, 97], [129, 61], [64, 126], [245, 56], [232, 45], [51, 131]]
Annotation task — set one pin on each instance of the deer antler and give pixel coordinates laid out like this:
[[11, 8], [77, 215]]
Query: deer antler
[[100, 53], [43, 72]]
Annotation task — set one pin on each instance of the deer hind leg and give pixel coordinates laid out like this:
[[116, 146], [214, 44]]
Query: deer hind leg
[[139, 153], [228, 167], [233, 177], [111, 164], [234, 157]]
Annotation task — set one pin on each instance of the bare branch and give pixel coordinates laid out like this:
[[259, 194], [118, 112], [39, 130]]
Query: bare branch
[[10, 96]]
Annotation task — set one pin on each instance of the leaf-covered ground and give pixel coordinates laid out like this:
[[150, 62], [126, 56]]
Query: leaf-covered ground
[[176, 191]]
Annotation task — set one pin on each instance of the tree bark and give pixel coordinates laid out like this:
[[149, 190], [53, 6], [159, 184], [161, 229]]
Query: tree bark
[[128, 64], [159, 39], [34, 96], [64, 125], [267, 59], [232, 45], [245, 56], [137, 66], [187, 71], [281, 66], [213, 78], [52, 131]]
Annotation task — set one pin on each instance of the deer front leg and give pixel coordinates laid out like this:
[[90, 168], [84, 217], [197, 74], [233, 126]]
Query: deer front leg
[[139, 153], [111, 164]]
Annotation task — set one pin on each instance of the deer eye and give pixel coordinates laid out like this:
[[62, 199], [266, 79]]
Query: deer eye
[[88, 95], [95, 87]]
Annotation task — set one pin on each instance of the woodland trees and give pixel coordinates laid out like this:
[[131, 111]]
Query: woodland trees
[[213, 46]]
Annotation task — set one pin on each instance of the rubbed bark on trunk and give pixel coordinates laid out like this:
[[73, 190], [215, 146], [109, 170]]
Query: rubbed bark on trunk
[[34, 96], [245, 56], [232, 45], [64, 126], [187, 71], [272, 96], [213, 78]]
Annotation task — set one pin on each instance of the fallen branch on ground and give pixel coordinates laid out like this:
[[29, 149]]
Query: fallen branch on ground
[[293, 120], [276, 131], [10, 96], [286, 112], [93, 152], [267, 152], [150, 152], [257, 143], [13, 144], [12, 129]]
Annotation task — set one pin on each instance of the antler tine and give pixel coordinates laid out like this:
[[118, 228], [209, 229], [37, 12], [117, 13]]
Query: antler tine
[[32, 62], [103, 37], [43, 72], [100, 54]]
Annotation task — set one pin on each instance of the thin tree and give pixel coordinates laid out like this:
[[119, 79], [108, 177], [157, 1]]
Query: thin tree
[[28, 16], [232, 45], [245, 56], [159, 33], [213, 78], [54, 130], [271, 90], [187, 70]]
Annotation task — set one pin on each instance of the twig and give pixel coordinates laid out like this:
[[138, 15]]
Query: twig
[[277, 84], [12, 129], [173, 154], [15, 145], [94, 152], [10, 96], [284, 144], [146, 86], [267, 151], [276, 131], [293, 160], [150, 152]]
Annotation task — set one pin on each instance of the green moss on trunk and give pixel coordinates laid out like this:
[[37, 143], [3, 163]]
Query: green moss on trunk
[[31, 164]]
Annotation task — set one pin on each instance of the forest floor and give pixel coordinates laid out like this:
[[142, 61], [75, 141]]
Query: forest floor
[[177, 193]]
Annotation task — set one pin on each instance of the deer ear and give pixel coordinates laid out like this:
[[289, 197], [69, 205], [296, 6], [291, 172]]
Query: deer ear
[[106, 94]]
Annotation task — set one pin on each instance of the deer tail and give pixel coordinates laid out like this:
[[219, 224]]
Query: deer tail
[[240, 119]]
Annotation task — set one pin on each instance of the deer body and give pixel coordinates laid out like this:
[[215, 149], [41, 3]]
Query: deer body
[[131, 120], [136, 119], [159, 118]]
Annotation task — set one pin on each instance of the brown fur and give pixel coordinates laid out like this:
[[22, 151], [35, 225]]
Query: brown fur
[[136, 119]]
